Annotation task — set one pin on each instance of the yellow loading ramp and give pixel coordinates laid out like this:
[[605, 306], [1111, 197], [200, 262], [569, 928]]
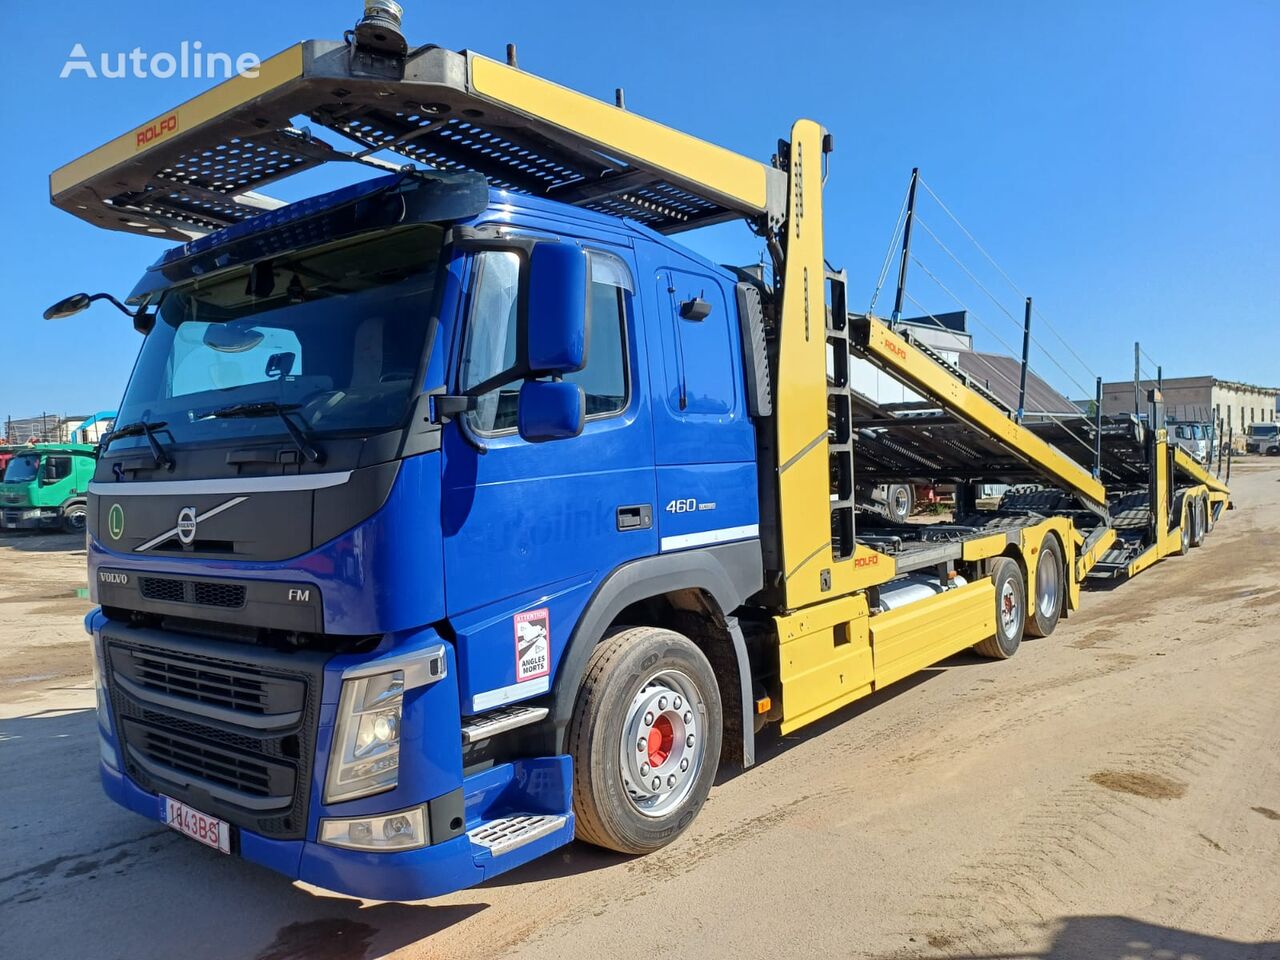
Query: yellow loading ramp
[[198, 167], [910, 364]]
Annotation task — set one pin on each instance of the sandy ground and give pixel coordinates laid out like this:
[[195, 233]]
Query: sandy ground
[[1112, 792]]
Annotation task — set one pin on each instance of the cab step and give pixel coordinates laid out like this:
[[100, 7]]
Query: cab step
[[506, 834], [500, 721]]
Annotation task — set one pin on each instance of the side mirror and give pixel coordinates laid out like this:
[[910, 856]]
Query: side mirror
[[556, 328], [550, 410], [68, 306]]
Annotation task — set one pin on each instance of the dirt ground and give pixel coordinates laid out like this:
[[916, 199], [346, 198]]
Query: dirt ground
[[1112, 792]]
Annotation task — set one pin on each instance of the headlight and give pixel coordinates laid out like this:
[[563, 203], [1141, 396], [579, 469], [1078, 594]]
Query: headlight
[[365, 757], [404, 830]]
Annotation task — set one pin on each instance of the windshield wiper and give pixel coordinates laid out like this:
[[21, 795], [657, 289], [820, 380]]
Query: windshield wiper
[[269, 408], [141, 428]]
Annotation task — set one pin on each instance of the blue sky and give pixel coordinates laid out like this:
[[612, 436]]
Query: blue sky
[[1121, 161]]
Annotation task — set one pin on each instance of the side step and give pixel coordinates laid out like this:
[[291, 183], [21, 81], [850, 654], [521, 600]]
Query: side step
[[500, 721], [505, 834]]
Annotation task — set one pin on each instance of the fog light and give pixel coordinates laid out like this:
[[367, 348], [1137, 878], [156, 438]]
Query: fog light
[[403, 830]]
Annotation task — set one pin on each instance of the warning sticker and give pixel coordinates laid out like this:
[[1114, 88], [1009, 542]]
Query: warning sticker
[[533, 644]]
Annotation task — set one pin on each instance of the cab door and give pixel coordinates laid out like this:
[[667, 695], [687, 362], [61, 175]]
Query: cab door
[[530, 529]]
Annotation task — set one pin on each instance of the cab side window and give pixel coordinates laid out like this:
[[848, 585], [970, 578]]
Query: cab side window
[[604, 378], [56, 468], [490, 349]]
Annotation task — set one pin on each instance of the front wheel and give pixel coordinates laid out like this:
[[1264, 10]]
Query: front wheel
[[645, 739], [73, 518]]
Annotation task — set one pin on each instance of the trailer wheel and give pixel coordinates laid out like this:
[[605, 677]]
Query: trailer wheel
[[645, 740], [73, 518], [1184, 529], [1208, 517], [899, 500], [1198, 514], [1011, 605], [1043, 615]]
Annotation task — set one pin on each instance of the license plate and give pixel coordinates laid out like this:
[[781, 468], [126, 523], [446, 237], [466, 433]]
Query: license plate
[[210, 831]]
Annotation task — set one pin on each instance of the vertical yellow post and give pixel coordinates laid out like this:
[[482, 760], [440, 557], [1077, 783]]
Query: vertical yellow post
[[801, 416]]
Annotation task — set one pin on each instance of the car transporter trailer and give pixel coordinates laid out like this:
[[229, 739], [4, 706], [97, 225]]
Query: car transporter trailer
[[400, 661]]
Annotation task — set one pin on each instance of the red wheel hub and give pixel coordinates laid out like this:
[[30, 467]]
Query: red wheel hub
[[661, 739]]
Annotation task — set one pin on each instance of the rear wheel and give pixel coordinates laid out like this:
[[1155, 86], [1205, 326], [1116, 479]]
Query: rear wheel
[[899, 501], [73, 518], [1185, 528], [645, 739], [1198, 513], [1011, 605], [1044, 613]]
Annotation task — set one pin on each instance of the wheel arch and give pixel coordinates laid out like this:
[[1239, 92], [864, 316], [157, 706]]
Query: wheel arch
[[693, 592]]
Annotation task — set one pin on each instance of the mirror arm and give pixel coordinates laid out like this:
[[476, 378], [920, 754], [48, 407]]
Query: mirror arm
[[444, 407], [116, 303]]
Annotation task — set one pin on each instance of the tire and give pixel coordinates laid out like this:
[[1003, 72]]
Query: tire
[[1011, 605], [899, 501], [1185, 529], [649, 702], [74, 518], [1199, 510], [1042, 616]]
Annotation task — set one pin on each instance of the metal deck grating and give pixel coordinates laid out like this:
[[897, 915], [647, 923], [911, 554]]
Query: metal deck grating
[[195, 169]]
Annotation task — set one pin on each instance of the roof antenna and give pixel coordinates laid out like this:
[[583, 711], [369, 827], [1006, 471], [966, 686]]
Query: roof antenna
[[619, 99], [511, 55]]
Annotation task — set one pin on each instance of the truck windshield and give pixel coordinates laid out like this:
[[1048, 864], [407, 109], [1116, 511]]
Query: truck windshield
[[335, 332], [1264, 430], [22, 469]]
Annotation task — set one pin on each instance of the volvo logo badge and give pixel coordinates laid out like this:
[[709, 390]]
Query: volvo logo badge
[[187, 525], [185, 529]]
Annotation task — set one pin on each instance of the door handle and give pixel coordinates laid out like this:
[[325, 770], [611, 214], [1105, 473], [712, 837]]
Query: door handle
[[637, 517]]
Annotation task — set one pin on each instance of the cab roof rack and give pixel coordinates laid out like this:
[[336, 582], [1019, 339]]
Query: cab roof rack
[[199, 167]]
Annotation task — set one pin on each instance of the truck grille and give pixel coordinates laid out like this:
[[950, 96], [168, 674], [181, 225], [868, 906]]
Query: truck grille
[[229, 730], [208, 593], [175, 754]]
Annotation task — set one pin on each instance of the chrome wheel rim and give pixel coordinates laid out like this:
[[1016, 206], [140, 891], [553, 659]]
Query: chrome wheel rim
[[900, 503], [1047, 585], [662, 743], [1009, 612]]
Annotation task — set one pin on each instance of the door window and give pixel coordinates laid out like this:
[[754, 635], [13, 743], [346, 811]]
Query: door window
[[491, 346], [56, 468], [491, 339]]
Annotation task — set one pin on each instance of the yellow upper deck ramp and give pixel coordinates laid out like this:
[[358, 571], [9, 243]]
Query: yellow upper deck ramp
[[905, 361]]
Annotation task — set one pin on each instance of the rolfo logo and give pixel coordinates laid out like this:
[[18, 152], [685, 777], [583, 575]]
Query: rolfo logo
[[190, 60]]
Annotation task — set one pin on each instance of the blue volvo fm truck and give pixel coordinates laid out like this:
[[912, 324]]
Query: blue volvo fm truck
[[463, 510]]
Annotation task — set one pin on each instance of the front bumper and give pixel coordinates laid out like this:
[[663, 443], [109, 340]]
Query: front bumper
[[431, 773], [28, 518], [429, 871]]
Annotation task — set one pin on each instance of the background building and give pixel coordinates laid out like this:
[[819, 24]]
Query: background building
[[1205, 399], [56, 428], [947, 335]]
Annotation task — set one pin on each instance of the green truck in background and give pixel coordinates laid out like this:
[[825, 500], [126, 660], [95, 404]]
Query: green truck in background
[[45, 486]]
